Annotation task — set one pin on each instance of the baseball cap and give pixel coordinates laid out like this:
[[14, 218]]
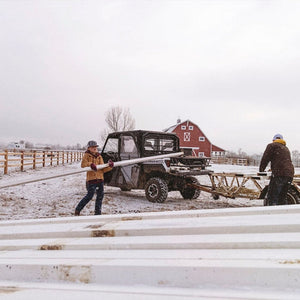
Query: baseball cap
[[92, 144], [277, 136]]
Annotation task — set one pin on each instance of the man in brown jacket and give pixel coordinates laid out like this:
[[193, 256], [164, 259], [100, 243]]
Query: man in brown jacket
[[94, 178], [282, 170]]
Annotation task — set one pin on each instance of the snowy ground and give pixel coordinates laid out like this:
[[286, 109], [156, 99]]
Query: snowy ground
[[58, 197]]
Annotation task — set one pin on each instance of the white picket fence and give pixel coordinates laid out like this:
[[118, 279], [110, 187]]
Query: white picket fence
[[240, 253]]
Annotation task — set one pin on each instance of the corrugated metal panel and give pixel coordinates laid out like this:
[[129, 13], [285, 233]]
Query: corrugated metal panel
[[247, 253]]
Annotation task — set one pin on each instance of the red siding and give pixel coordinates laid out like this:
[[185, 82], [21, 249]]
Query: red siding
[[216, 148], [204, 146]]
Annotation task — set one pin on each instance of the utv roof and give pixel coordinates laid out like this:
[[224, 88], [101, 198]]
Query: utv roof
[[140, 133]]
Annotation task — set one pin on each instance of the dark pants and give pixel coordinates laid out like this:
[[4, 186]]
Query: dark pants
[[278, 188], [92, 188]]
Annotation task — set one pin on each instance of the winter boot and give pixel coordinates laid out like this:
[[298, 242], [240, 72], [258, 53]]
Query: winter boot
[[77, 212]]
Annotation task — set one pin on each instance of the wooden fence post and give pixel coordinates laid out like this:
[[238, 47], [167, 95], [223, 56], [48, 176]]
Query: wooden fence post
[[6, 162], [51, 158], [34, 159], [22, 161], [57, 160], [63, 157], [44, 158]]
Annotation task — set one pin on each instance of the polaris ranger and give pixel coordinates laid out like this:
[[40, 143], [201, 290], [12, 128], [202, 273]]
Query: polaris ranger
[[157, 177]]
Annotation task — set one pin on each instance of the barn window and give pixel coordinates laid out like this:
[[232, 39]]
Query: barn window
[[187, 136], [191, 127], [201, 154], [201, 139], [183, 127]]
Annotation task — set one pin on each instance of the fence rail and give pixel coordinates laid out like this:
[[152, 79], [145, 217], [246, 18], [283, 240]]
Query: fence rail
[[230, 161], [34, 158]]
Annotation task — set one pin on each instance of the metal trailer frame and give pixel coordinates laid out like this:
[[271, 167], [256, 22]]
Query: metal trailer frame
[[233, 185]]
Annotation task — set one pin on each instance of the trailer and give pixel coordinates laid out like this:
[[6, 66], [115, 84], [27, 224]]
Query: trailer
[[250, 186]]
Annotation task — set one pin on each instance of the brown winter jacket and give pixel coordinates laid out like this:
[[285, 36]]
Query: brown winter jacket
[[279, 156], [90, 158]]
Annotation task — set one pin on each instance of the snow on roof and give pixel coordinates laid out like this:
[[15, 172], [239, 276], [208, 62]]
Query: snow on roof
[[170, 129]]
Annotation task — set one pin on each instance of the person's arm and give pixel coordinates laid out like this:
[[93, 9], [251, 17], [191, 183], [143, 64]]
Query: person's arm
[[85, 162], [107, 169], [266, 158]]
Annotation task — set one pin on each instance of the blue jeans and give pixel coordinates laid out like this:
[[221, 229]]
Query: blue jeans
[[278, 188], [92, 188]]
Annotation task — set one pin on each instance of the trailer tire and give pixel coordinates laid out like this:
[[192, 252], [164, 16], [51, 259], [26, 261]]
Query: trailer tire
[[292, 196], [189, 192], [215, 196], [156, 190]]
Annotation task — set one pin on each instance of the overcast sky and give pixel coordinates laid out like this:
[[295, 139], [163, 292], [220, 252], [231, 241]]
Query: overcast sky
[[231, 67]]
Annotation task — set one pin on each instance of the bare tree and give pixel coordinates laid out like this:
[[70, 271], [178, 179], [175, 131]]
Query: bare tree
[[117, 119], [29, 145]]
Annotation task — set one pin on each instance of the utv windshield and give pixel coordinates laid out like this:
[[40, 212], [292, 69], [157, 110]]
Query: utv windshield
[[159, 145], [111, 145]]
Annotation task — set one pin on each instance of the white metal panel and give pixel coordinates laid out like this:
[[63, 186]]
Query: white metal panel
[[248, 253]]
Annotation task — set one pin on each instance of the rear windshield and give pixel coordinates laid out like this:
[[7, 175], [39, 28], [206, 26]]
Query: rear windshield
[[159, 145]]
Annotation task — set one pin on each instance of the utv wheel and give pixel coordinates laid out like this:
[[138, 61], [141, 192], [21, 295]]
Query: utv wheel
[[156, 190], [189, 192]]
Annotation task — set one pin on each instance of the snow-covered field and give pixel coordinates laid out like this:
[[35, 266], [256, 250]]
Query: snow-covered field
[[58, 197]]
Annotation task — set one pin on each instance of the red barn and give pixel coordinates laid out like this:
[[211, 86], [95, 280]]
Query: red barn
[[193, 141]]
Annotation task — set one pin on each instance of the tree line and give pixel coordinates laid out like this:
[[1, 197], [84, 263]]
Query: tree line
[[254, 159], [118, 118]]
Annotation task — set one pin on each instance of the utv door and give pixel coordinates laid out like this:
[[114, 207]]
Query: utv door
[[129, 174], [111, 151]]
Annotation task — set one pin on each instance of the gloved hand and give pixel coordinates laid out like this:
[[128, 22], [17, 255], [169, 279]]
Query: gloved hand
[[111, 163], [93, 167]]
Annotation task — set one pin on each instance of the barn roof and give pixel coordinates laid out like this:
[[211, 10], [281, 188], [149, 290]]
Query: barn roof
[[170, 129], [173, 127]]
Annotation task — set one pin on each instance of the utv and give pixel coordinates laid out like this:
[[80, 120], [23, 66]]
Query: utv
[[157, 177]]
